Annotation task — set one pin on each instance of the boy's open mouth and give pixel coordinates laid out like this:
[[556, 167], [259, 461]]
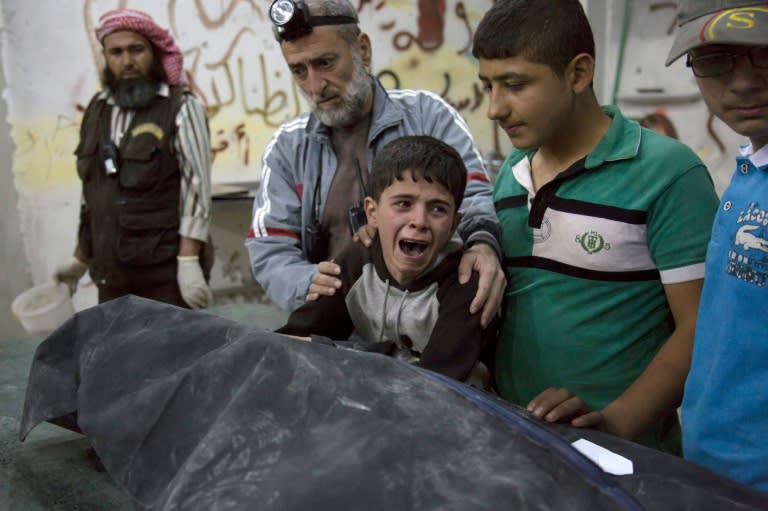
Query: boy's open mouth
[[413, 248]]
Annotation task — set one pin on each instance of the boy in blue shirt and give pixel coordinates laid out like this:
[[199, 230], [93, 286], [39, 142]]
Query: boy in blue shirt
[[725, 408]]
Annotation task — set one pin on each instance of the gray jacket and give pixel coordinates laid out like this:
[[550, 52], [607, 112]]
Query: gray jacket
[[301, 147]]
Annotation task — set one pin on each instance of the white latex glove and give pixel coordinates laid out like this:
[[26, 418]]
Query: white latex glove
[[194, 288], [70, 273]]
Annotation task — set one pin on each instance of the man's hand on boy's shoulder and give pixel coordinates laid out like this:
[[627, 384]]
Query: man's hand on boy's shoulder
[[365, 235], [482, 258]]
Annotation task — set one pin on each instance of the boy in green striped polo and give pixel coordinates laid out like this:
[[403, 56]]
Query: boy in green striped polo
[[605, 227]]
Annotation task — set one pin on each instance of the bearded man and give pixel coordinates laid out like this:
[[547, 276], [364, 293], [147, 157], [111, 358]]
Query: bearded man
[[315, 167], [145, 165]]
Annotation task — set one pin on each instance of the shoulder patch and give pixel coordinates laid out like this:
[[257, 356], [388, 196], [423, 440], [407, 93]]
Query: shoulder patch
[[149, 127]]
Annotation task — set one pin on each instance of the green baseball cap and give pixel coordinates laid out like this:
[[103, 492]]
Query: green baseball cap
[[701, 22]]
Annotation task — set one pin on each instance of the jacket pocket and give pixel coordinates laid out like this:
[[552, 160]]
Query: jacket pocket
[[147, 238], [140, 167], [87, 157]]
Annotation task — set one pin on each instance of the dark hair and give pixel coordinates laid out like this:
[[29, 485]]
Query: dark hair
[[426, 157], [549, 32]]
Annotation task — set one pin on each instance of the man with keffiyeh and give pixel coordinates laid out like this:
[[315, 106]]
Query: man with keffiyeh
[[144, 161]]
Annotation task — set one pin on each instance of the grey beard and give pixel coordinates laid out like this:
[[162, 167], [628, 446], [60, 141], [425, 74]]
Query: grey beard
[[353, 100], [135, 94]]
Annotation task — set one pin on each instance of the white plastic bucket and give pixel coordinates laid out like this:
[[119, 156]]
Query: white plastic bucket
[[43, 308]]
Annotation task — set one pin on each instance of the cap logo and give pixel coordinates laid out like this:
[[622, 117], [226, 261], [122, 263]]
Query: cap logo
[[722, 25]]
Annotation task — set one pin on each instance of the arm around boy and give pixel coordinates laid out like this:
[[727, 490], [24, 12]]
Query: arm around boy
[[316, 166]]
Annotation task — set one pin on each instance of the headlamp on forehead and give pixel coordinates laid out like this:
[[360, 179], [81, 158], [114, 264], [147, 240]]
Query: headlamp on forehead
[[292, 20]]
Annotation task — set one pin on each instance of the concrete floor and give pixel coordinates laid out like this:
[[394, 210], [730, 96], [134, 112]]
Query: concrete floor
[[53, 469]]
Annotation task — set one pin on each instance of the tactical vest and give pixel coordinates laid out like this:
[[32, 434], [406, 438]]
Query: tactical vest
[[130, 221]]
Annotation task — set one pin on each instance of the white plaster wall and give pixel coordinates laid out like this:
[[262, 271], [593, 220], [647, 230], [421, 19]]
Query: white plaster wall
[[13, 270], [646, 84]]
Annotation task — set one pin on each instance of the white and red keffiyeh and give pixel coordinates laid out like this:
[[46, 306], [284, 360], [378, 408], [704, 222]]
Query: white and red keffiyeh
[[140, 22]]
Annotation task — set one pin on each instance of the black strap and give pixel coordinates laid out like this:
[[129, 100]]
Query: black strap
[[318, 184], [317, 21], [108, 149], [363, 192]]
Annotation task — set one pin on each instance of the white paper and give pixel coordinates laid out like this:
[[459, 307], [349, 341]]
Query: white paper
[[609, 461]]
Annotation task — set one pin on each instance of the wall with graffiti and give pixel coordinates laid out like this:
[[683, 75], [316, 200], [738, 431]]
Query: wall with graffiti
[[234, 66], [52, 62]]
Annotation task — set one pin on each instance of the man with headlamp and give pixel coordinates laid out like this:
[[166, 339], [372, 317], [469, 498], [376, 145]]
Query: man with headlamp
[[315, 167]]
